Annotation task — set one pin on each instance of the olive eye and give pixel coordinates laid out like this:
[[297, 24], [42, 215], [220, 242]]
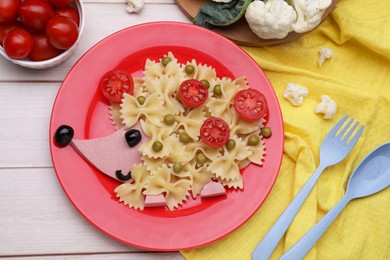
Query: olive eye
[[63, 135], [133, 137], [121, 176]]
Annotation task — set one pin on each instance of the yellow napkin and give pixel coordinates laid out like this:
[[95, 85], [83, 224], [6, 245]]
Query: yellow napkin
[[357, 77]]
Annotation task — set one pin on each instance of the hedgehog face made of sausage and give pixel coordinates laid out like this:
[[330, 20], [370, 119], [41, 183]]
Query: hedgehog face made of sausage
[[113, 155]]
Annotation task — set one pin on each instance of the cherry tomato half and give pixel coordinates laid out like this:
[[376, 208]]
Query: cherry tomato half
[[18, 43], [42, 49], [35, 14], [8, 10], [60, 3], [115, 83], [193, 93], [69, 12], [250, 104], [215, 132], [62, 32]]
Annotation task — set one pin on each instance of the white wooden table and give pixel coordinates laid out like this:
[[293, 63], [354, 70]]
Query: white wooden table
[[37, 221]]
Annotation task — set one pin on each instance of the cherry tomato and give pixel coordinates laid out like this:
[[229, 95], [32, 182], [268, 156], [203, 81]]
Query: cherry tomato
[[6, 28], [62, 32], [115, 83], [215, 132], [69, 12], [42, 49], [60, 3], [18, 43], [250, 104], [193, 93], [35, 14], [8, 10]]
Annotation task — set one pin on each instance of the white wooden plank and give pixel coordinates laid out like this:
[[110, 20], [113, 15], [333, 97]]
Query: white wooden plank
[[25, 110], [36, 218], [101, 21], [114, 256], [37, 221]]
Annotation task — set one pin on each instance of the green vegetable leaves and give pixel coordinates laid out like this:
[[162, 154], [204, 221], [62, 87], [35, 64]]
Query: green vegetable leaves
[[221, 14]]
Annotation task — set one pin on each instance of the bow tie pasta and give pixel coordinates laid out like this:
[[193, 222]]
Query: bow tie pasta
[[182, 154]]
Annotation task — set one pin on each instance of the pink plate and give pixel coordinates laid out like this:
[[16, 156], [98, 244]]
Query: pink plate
[[80, 104]]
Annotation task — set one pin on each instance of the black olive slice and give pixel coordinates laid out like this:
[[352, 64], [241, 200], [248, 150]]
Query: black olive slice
[[133, 137], [63, 135], [122, 177]]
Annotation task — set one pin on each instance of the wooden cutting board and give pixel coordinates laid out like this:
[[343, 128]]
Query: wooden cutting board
[[240, 32]]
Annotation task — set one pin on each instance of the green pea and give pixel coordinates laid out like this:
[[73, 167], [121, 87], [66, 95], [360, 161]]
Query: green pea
[[231, 144], [266, 132], [205, 82], [141, 100], [169, 119], [177, 167], [189, 69], [157, 146], [200, 158], [184, 137], [217, 90], [166, 60], [253, 140]]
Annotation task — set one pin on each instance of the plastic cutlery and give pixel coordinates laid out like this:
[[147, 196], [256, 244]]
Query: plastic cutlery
[[370, 176], [334, 148]]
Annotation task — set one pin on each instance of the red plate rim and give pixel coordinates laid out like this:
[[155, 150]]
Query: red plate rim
[[200, 222]]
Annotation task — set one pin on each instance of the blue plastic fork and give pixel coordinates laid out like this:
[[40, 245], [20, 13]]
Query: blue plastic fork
[[334, 148], [371, 176]]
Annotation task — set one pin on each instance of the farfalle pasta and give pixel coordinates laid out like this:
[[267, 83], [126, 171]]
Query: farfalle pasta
[[199, 177], [154, 70], [131, 109], [115, 115], [177, 160], [132, 193], [191, 121], [163, 181], [222, 103], [157, 134], [226, 167], [202, 72]]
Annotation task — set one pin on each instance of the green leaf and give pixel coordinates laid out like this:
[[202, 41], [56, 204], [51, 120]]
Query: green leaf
[[221, 14]]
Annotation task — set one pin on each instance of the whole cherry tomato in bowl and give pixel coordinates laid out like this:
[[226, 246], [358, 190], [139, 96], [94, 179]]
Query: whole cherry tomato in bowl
[[62, 32], [39, 58], [60, 3], [68, 11], [18, 43], [42, 49], [35, 14], [9, 10]]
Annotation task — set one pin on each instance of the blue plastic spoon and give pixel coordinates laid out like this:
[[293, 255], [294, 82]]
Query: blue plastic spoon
[[370, 176]]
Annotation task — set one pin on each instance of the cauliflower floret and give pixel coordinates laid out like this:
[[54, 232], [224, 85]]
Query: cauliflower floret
[[324, 4], [327, 107], [272, 19], [134, 6], [309, 13], [325, 54], [295, 93]]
